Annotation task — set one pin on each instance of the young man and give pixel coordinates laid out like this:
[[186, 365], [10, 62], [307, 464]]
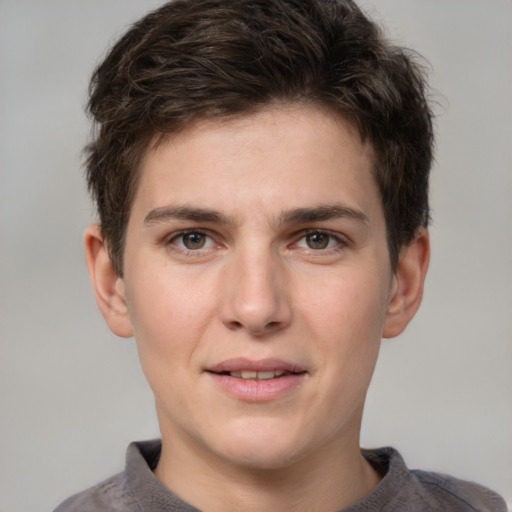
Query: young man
[[260, 169]]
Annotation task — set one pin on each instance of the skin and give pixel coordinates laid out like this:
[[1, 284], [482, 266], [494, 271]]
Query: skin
[[284, 256]]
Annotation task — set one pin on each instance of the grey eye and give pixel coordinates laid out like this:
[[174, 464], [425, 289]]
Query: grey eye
[[317, 240], [194, 241]]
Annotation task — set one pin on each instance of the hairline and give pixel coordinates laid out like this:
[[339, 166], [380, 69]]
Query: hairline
[[159, 137]]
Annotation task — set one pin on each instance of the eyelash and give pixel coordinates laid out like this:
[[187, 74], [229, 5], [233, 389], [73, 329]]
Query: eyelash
[[171, 242], [340, 242]]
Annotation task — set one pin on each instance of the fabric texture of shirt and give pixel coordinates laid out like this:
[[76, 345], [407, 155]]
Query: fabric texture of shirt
[[136, 489]]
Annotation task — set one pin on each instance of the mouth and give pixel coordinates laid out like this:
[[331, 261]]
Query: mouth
[[256, 381], [264, 369], [257, 375]]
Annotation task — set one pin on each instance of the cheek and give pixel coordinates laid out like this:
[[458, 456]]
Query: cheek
[[169, 313], [346, 321], [351, 307]]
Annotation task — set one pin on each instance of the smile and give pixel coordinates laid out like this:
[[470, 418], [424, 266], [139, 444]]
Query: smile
[[256, 381], [264, 369], [264, 375]]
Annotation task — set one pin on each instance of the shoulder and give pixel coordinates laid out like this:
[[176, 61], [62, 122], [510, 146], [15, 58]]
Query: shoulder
[[136, 489], [439, 489], [110, 495], [404, 490]]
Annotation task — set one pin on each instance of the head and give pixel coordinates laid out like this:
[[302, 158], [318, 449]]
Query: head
[[260, 169], [221, 59]]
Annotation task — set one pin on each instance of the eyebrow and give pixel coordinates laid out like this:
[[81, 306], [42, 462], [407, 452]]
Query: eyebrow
[[323, 213], [185, 213], [295, 216]]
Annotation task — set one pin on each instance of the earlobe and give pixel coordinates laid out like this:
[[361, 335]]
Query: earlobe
[[108, 286], [407, 287]]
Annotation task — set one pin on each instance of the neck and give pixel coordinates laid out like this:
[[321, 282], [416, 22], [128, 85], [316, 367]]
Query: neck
[[328, 480]]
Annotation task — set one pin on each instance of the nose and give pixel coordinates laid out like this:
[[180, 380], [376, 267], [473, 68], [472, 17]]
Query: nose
[[256, 295]]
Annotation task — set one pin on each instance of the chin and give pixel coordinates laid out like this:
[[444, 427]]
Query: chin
[[261, 457], [261, 445]]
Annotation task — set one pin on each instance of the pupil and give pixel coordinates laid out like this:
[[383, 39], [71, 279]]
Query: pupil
[[194, 240], [318, 240]]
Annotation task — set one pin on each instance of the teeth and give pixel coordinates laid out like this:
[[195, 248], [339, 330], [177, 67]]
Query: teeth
[[266, 375], [248, 374]]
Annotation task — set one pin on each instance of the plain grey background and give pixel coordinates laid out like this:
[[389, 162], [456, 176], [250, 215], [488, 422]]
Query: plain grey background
[[72, 395]]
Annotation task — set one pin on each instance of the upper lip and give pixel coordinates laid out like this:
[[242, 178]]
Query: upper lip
[[261, 365]]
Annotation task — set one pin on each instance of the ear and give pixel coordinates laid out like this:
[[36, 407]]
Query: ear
[[108, 286], [407, 288]]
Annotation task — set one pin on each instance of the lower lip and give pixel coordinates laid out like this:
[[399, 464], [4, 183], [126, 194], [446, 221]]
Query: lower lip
[[253, 390]]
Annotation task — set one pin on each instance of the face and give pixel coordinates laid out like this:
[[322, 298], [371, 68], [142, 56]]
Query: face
[[257, 282]]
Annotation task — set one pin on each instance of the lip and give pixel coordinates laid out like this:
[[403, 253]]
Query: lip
[[261, 365], [253, 390]]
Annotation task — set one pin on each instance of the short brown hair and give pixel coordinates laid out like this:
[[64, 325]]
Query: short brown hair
[[194, 59]]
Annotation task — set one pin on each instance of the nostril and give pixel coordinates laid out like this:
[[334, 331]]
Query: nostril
[[235, 325]]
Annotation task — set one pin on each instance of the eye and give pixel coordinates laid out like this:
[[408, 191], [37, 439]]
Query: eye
[[318, 240], [192, 241]]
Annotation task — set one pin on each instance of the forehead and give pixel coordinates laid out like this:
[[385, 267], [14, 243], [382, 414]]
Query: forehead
[[277, 159]]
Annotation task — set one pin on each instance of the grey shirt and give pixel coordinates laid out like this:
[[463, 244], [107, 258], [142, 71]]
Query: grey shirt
[[136, 489]]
